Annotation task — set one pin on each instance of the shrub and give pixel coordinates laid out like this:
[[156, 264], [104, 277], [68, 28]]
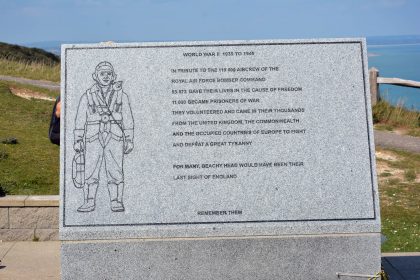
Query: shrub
[[410, 175], [385, 113], [3, 191]]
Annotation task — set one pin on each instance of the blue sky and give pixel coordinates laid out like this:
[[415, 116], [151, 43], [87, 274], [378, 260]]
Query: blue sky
[[172, 20]]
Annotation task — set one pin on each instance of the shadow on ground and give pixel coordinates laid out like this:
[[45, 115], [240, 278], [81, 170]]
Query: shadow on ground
[[402, 267]]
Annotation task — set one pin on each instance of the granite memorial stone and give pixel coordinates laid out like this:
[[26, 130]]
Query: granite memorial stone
[[218, 160]]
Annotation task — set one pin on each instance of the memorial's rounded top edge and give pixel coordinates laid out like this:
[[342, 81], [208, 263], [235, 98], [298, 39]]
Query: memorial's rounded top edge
[[111, 44]]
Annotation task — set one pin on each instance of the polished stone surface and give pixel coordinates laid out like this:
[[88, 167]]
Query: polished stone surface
[[301, 113], [250, 160]]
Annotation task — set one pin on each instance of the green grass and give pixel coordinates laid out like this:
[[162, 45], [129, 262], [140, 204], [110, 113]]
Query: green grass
[[30, 70], [400, 202], [32, 165], [400, 218], [31, 63]]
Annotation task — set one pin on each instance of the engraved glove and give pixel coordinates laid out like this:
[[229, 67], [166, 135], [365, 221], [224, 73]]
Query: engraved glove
[[128, 147], [78, 146], [78, 140]]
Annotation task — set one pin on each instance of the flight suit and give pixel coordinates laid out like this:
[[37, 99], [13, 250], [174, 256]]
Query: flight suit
[[104, 124]]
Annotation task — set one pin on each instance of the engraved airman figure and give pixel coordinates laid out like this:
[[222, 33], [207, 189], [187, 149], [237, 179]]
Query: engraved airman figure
[[103, 134]]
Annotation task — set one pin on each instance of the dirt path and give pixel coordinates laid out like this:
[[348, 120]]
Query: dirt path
[[402, 142], [42, 84]]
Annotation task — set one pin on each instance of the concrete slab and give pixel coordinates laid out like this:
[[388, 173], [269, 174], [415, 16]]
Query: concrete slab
[[42, 200], [4, 248], [9, 235], [13, 201], [31, 260]]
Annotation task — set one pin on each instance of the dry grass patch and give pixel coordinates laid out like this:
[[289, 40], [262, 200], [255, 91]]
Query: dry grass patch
[[396, 118], [30, 70]]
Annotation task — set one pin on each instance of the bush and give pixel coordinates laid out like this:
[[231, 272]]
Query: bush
[[3, 191], [410, 175], [385, 113]]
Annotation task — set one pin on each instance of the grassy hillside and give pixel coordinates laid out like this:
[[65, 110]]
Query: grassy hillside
[[31, 63], [32, 165], [34, 71], [27, 55]]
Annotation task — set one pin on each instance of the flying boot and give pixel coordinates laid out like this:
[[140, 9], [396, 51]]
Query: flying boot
[[89, 191], [116, 195]]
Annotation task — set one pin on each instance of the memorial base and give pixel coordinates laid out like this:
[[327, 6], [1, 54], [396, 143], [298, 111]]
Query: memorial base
[[279, 257]]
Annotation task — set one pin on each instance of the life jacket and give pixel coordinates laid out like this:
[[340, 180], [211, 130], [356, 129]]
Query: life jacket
[[105, 113], [97, 105]]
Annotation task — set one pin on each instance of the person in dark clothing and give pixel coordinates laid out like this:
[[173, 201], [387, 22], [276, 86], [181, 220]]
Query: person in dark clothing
[[54, 131]]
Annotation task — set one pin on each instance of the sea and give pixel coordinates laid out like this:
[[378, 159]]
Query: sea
[[397, 60]]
